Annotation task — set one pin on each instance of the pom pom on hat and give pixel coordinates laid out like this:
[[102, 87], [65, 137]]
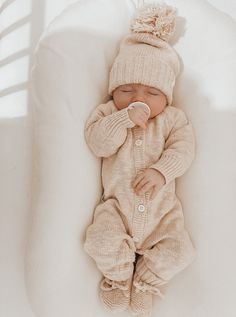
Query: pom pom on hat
[[157, 19], [145, 55]]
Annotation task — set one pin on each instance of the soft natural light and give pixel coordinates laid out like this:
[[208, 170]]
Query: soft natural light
[[14, 105], [15, 41], [14, 73], [14, 60], [16, 11], [52, 10]]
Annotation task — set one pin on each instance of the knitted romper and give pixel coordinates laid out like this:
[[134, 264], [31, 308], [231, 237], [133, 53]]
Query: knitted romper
[[124, 224]]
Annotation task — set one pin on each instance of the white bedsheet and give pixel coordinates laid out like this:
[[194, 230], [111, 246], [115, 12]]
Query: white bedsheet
[[69, 79]]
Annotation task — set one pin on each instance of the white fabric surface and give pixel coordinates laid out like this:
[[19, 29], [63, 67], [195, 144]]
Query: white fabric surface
[[69, 79]]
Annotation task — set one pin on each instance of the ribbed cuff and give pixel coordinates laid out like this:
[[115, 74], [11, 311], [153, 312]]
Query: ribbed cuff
[[169, 166], [119, 120]]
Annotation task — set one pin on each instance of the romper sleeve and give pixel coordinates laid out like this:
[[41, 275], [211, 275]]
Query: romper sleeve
[[179, 148], [105, 131]]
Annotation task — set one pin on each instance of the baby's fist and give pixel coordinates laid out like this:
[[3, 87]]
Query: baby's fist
[[150, 179], [139, 117]]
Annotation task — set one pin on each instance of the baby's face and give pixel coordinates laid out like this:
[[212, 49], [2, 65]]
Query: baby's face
[[126, 94]]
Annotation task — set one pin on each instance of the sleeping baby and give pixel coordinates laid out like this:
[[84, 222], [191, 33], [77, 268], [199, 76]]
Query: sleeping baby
[[138, 238]]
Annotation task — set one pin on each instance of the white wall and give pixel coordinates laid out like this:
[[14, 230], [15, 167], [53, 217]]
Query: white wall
[[22, 22]]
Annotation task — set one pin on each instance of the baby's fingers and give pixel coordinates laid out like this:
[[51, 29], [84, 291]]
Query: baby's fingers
[[154, 192], [142, 112], [137, 180], [141, 123], [144, 189], [140, 185]]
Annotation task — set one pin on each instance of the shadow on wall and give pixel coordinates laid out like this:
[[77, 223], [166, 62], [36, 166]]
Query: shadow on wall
[[23, 23]]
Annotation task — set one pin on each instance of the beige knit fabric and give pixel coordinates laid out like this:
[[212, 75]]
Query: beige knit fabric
[[141, 302], [124, 223], [146, 284], [145, 56], [115, 295]]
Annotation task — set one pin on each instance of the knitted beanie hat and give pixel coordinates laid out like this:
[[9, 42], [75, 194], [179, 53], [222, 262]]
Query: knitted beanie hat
[[145, 56]]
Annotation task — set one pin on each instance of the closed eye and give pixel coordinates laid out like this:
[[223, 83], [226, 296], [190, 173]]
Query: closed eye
[[153, 93]]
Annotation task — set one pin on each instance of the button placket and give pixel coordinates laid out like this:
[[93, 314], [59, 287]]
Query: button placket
[[141, 208], [140, 213], [138, 142]]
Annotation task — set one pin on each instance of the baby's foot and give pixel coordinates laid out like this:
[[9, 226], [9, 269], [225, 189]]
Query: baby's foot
[[115, 295], [141, 302]]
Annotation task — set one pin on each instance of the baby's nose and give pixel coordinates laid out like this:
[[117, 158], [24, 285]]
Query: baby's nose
[[138, 98]]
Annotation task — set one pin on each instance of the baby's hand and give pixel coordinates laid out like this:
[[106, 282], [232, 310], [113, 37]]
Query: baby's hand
[[150, 179], [139, 117]]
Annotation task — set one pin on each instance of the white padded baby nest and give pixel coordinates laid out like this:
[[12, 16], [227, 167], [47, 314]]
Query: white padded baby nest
[[69, 79]]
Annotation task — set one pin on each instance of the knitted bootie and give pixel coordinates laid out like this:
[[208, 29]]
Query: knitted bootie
[[142, 297], [141, 302], [115, 295]]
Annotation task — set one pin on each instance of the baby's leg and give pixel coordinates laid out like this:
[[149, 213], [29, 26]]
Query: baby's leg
[[171, 252], [172, 249], [108, 243]]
